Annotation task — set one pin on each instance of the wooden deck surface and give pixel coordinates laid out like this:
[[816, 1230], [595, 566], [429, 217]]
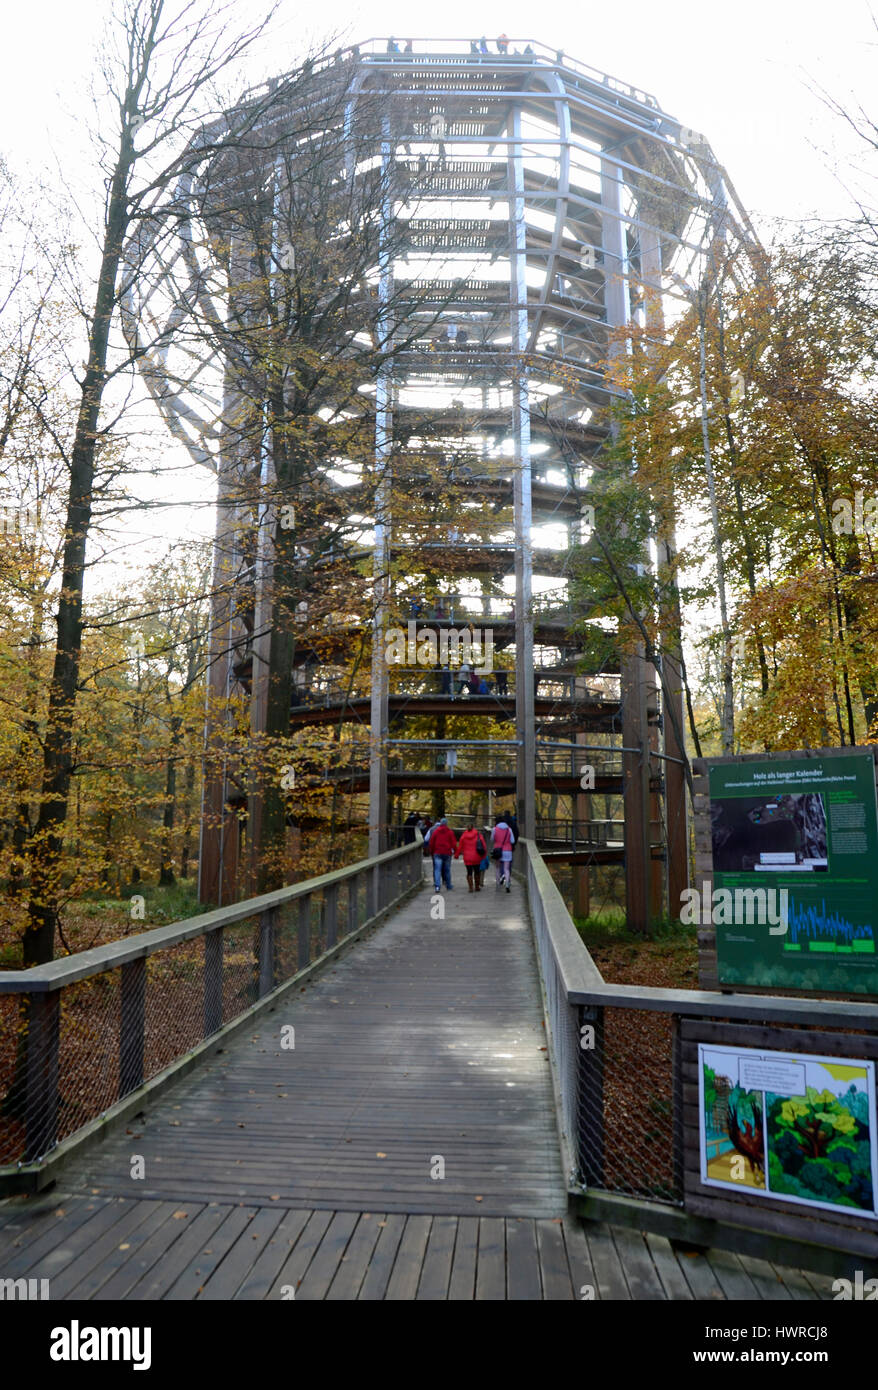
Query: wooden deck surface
[[97, 1247], [423, 1051]]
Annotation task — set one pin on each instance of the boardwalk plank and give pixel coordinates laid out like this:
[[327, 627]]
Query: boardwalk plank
[[327, 1258], [120, 1262], [436, 1273], [639, 1268], [522, 1261], [355, 1261], [732, 1278], [820, 1283], [582, 1271], [795, 1282], [192, 1279], [238, 1261], [263, 1281], [35, 1240], [462, 1284], [669, 1271], [187, 1238], [84, 1254], [403, 1282], [295, 1266], [768, 1284], [699, 1276], [381, 1266], [491, 1263], [554, 1267], [608, 1271]]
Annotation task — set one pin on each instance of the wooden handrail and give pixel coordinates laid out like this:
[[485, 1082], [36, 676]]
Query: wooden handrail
[[37, 979]]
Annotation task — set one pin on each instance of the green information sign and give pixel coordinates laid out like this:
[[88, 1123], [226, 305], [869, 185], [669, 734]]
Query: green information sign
[[795, 873]]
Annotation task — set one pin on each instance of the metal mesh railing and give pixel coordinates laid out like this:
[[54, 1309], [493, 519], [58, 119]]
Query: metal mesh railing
[[82, 1033], [626, 1104], [624, 1055], [548, 914]]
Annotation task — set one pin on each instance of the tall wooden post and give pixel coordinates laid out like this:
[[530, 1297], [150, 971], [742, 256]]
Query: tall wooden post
[[635, 739]]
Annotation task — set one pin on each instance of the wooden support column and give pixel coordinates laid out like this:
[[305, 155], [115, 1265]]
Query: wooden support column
[[671, 694], [634, 673]]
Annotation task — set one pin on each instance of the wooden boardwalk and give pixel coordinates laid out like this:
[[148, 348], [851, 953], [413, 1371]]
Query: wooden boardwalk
[[421, 1053], [94, 1247], [404, 1148]]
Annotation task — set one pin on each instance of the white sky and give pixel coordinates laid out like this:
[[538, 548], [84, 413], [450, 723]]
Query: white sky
[[738, 71]]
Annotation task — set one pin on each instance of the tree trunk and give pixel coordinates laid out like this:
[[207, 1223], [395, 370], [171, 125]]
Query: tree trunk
[[48, 839]]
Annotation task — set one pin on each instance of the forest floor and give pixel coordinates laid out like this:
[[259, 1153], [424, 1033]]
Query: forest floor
[[667, 958], [96, 919]]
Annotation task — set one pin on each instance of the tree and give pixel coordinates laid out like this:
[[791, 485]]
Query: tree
[[167, 62]]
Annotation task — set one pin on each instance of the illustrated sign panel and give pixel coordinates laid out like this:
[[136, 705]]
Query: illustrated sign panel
[[795, 844], [789, 1126]]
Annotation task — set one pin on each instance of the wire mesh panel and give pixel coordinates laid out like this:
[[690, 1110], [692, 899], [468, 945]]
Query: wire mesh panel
[[563, 1026], [286, 940], [240, 986], [70, 1049], [88, 1052], [626, 1103], [12, 1029], [174, 1011]]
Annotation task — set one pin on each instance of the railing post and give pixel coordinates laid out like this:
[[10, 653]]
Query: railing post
[[353, 901], [131, 1030], [213, 981], [41, 1099], [591, 1097], [303, 957], [374, 892], [330, 915], [266, 952], [677, 1105]]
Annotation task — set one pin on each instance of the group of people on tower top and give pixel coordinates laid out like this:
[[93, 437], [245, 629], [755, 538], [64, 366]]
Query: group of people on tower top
[[476, 46]]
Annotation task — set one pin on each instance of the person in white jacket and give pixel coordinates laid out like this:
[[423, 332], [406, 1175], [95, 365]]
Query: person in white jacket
[[502, 839]]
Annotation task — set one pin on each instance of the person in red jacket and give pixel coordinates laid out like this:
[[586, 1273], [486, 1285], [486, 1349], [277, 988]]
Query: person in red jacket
[[473, 849], [443, 844]]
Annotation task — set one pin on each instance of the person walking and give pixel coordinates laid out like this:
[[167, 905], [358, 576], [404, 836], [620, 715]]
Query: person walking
[[502, 841], [425, 828], [473, 849], [409, 826], [503, 44], [443, 845], [486, 862]]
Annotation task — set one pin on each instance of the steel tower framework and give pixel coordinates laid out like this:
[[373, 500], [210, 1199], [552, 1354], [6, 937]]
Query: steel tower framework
[[543, 206]]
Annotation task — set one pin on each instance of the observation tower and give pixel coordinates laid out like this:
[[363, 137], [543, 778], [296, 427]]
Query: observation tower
[[525, 208]]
